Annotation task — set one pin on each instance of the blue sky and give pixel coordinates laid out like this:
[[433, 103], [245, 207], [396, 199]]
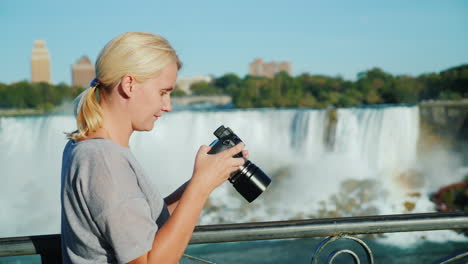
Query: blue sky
[[216, 37]]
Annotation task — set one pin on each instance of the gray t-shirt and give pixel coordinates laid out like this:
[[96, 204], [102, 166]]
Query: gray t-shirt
[[110, 211]]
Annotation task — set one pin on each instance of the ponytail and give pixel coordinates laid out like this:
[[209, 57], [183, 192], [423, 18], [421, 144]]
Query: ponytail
[[88, 113]]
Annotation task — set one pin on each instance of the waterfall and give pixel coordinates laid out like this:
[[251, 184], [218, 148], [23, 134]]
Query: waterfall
[[371, 144], [384, 138]]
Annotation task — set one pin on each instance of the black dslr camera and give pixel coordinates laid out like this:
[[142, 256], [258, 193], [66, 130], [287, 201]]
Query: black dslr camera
[[250, 181]]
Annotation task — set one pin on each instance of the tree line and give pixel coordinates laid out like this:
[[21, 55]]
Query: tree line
[[41, 96], [318, 91]]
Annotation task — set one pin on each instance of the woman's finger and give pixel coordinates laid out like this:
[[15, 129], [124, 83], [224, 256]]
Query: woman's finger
[[237, 162], [230, 170], [234, 150], [204, 149]]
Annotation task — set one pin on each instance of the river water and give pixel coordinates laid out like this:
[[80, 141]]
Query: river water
[[355, 161]]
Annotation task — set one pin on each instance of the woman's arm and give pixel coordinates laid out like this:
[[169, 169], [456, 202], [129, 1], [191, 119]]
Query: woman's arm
[[209, 172], [172, 200]]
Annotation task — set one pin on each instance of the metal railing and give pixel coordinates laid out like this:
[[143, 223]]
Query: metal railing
[[48, 246]]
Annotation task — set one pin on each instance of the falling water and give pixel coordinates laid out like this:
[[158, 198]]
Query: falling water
[[317, 164]]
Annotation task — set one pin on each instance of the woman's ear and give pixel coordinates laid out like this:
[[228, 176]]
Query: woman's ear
[[127, 82]]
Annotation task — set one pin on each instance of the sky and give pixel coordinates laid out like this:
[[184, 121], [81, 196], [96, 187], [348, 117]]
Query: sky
[[330, 37]]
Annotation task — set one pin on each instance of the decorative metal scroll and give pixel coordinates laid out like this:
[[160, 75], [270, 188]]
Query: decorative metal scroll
[[198, 259], [452, 258], [336, 253]]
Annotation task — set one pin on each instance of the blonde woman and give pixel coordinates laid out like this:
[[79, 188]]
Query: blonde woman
[[110, 214]]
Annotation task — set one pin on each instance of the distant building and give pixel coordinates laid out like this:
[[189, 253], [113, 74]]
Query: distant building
[[40, 62], [256, 67], [184, 83], [268, 69], [285, 66], [82, 72]]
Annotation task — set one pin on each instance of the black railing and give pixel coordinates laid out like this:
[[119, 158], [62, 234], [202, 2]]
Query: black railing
[[48, 246]]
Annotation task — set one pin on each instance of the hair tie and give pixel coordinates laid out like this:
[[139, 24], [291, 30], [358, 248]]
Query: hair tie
[[94, 82]]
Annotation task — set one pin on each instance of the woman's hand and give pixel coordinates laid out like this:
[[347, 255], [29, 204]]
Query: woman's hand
[[211, 170]]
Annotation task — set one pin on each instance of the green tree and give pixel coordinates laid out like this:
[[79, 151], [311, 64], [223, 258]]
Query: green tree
[[22, 95], [3, 95], [431, 84], [227, 80], [407, 89], [204, 88], [455, 81], [373, 97], [34, 95], [178, 92], [308, 100], [373, 86], [246, 96]]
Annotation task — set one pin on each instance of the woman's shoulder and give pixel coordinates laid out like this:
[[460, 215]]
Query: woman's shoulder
[[108, 162], [97, 148]]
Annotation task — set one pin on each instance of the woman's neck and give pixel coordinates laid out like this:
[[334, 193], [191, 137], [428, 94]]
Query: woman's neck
[[116, 125], [109, 133]]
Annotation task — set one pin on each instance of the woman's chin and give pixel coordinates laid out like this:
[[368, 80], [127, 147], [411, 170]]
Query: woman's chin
[[147, 127]]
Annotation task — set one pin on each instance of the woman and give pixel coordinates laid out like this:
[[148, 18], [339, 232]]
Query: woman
[[110, 214]]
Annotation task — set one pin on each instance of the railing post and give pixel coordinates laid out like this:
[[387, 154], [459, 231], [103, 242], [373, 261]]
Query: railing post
[[49, 248]]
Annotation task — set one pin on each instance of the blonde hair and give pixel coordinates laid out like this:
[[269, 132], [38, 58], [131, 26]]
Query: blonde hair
[[140, 54]]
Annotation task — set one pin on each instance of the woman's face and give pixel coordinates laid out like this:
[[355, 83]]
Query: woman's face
[[152, 99]]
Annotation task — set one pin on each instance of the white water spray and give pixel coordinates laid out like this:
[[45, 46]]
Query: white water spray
[[369, 144]]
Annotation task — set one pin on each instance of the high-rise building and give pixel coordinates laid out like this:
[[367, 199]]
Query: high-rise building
[[82, 72], [256, 68], [40, 62], [268, 69]]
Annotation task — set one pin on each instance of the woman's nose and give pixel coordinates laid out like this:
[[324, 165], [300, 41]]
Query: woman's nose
[[167, 107]]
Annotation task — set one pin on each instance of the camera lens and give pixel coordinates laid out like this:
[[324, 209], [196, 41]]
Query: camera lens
[[250, 181]]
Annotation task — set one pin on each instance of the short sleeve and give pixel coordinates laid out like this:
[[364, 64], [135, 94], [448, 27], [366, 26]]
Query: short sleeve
[[128, 228], [117, 205]]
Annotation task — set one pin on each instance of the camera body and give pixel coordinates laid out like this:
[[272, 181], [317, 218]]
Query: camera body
[[250, 181]]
